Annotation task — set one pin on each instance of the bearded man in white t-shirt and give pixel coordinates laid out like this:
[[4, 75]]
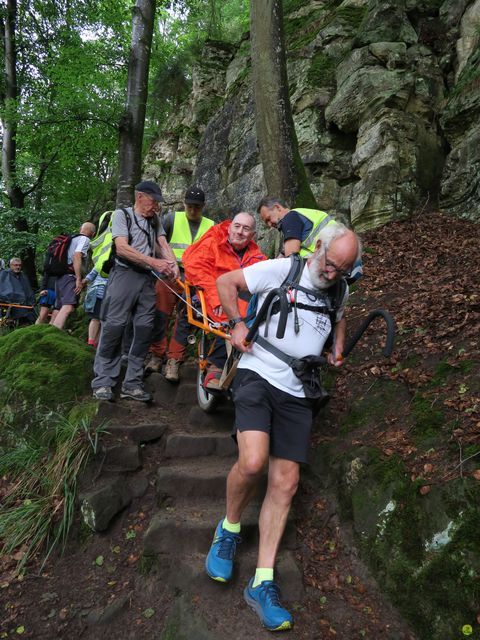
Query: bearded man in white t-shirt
[[273, 417]]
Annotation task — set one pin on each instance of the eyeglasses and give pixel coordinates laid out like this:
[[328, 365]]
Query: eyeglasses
[[330, 268]]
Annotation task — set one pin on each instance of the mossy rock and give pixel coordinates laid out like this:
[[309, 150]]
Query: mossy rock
[[371, 407], [41, 364], [322, 71], [423, 549]]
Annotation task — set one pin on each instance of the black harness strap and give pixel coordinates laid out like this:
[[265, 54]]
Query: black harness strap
[[280, 301]]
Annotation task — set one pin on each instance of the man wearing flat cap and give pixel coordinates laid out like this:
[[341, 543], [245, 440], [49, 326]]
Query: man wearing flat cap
[[140, 248], [182, 229]]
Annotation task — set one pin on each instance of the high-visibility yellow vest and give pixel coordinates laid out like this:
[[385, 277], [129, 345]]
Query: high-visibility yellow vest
[[319, 219], [101, 244], [182, 236]]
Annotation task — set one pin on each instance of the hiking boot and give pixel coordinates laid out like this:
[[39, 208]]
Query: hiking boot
[[219, 561], [154, 364], [265, 601], [103, 393], [171, 370], [212, 378], [136, 393]]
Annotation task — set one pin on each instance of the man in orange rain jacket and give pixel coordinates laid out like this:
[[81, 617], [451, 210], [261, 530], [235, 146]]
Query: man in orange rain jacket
[[224, 247]]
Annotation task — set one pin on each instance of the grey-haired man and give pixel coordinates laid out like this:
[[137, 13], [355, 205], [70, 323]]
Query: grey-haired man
[[141, 247]]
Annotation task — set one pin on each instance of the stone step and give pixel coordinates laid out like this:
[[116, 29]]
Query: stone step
[[121, 457], [187, 573], [186, 394], [187, 528], [194, 478], [189, 445], [221, 420], [138, 432]]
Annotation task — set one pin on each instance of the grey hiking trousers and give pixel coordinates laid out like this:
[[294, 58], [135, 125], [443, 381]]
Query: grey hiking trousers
[[130, 295]]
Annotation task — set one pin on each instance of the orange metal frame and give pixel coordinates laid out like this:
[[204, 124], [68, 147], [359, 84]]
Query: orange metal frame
[[206, 324], [11, 305]]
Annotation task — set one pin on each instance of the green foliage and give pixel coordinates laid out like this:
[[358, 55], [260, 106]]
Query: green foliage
[[444, 370], [71, 79], [322, 70], [428, 419], [42, 465], [299, 32], [289, 6], [351, 15], [370, 409], [40, 364]]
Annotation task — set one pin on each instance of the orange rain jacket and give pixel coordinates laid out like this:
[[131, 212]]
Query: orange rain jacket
[[210, 257]]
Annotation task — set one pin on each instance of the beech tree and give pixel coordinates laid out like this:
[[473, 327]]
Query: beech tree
[[133, 121], [282, 166]]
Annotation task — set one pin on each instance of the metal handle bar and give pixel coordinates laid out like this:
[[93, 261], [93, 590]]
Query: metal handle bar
[[388, 348]]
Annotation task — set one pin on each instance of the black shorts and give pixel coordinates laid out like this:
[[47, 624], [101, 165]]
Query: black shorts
[[259, 406]]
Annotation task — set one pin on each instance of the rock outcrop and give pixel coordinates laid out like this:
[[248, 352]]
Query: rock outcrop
[[385, 96]]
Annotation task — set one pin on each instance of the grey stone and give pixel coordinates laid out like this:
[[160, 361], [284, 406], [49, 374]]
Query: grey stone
[[185, 622], [186, 445], [139, 432], [197, 478], [383, 67], [122, 457], [365, 93], [386, 21], [221, 419], [289, 576], [186, 394], [100, 506], [138, 486]]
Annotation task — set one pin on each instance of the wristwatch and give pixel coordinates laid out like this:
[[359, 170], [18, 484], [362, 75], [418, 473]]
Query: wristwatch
[[234, 321]]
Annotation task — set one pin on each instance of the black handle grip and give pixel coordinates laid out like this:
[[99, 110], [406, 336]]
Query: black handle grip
[[378, 313]]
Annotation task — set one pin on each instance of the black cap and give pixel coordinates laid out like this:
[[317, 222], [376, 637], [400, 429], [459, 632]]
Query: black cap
[[150, 189], [194, 195]]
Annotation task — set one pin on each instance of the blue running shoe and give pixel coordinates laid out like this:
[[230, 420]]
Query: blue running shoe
[[265, 601], [219, 562]]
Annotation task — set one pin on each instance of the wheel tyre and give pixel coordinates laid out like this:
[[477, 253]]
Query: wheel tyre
[[206, 401]]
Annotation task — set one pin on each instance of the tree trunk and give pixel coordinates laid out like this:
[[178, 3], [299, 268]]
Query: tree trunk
[[9, 145], [282, 166], [133, 121]]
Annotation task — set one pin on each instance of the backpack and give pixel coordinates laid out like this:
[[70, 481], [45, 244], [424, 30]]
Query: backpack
[[56, 257], [283, 300], [333, 296], [101, 245], [104, 251]]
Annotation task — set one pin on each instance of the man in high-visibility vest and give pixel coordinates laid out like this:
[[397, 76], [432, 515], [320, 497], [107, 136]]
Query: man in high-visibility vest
[[182, 229], [299, 228]]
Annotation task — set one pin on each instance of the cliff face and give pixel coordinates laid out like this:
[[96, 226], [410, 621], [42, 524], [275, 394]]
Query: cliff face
[[385, 96]]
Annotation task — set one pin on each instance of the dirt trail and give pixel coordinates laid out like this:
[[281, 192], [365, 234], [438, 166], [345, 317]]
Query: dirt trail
[[144, 576]]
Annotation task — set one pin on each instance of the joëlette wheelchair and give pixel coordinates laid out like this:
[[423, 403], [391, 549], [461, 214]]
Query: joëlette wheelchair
[[210, 330]]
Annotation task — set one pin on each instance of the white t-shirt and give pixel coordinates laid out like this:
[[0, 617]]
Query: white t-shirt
[[314, 327], [79, 244]]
